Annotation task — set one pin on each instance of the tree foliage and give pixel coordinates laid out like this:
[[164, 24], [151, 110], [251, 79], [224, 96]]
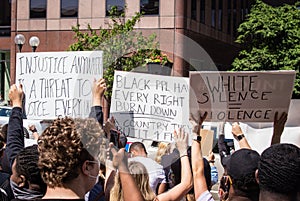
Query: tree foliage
[[270, 40], [123, 48]]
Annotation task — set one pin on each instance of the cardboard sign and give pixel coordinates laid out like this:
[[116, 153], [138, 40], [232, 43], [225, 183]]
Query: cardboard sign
[[241, 96], [207, 141], [58, 83], [149, 106]]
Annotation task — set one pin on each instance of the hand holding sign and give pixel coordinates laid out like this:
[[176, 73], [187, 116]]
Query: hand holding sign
[[16, 95], [197, 122], [99, 87]]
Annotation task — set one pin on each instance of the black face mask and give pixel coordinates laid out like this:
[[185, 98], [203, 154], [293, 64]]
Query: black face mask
[[24, 193]]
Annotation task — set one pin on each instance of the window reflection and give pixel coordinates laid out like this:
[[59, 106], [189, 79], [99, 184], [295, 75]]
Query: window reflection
[[38, 8], [120, 5], [69, 8], [149, 7]]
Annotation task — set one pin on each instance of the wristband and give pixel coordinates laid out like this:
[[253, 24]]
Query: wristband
[[240, 137], [197, 138], [34, 130], [183, 155]]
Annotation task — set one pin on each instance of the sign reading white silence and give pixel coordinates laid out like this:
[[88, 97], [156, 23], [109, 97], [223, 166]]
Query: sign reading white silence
[[241, 96], [150, 106], [58, 83]]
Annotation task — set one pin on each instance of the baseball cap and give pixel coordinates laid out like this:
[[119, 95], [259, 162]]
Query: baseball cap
[[242, 162]]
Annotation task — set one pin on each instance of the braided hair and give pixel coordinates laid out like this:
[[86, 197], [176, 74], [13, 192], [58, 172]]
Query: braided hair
[[279, 169], [27, 165]]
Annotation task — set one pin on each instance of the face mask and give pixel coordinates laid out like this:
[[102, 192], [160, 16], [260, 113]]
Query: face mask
[[24, 193], [94, 177]]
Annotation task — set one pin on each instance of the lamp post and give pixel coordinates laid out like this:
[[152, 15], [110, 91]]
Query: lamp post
[[34, 41], [19, 41]]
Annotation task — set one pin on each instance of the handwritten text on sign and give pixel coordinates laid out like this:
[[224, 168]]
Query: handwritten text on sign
[[150, 106], [241, 96], [58, 83]]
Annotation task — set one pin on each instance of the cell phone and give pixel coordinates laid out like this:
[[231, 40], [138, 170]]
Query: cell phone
[[114, 138]]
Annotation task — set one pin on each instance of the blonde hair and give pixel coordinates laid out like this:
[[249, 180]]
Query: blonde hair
[[141, 178], [163, 148]]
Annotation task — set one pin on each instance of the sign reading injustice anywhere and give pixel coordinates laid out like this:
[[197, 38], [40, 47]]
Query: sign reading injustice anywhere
[[58, 83], [150, 106], [241, 96]]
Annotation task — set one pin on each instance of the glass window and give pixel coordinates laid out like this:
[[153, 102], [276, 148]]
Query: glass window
[[119, 4], [5, 18], [149, 7], [220, 16], [229, 17], [202, 11], [213, 13], [234, 18], [194, 9], [69, 8], [38, 8]]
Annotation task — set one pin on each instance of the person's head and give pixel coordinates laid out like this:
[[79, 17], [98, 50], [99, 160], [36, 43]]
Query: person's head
[[26, 175], [163, 149], [141, 178], [279, 170], [69, 150], [2, 145], [138, 149], [241, 169], [3, 132]]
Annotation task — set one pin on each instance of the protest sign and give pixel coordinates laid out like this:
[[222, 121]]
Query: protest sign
[[58, 83], [241, 96], [149, 106]]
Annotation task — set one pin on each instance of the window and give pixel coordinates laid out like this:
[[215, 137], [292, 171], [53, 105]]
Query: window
[[5, 18], [220, 16], [234, 19], [69, 8], [213, 13], [229, 17], [194, 9], [149, 7], [202, 11], [38, 8], [119, 4]]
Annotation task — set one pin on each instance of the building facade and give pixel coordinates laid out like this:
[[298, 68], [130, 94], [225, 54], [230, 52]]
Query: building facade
[[211, 24]]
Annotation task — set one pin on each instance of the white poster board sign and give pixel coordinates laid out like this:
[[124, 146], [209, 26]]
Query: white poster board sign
[[241, 96], [149, 106], [58, 83]]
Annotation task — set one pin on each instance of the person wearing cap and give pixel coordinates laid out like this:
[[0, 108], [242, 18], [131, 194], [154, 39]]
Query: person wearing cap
[[278, 173], [241, 169], [157, 177]]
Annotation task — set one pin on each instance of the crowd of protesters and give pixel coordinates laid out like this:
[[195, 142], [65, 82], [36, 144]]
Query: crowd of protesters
[[85, 159]]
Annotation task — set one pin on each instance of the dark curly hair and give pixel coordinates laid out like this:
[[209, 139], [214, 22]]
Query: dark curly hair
[[246, 186], [27, 165], [279, 169], [65, 145]]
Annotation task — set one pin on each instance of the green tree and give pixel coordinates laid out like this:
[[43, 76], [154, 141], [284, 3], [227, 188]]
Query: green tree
[[270, 40], [123, 48]]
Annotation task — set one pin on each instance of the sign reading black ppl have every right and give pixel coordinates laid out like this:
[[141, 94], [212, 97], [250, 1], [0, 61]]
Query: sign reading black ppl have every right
[[241, 96]]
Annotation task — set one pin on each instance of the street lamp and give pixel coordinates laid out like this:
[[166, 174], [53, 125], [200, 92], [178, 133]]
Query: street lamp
[[19, 40], [34, 41]]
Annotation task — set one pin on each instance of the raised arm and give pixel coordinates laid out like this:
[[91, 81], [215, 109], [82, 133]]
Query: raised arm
[[15, 132], [99, 87], [278, 127], [197, 159], [239, 136], [131, 192], [181, 189]]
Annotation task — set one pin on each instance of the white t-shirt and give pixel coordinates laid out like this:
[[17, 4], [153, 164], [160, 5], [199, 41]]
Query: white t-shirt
[[155, 171], [205, 196]]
